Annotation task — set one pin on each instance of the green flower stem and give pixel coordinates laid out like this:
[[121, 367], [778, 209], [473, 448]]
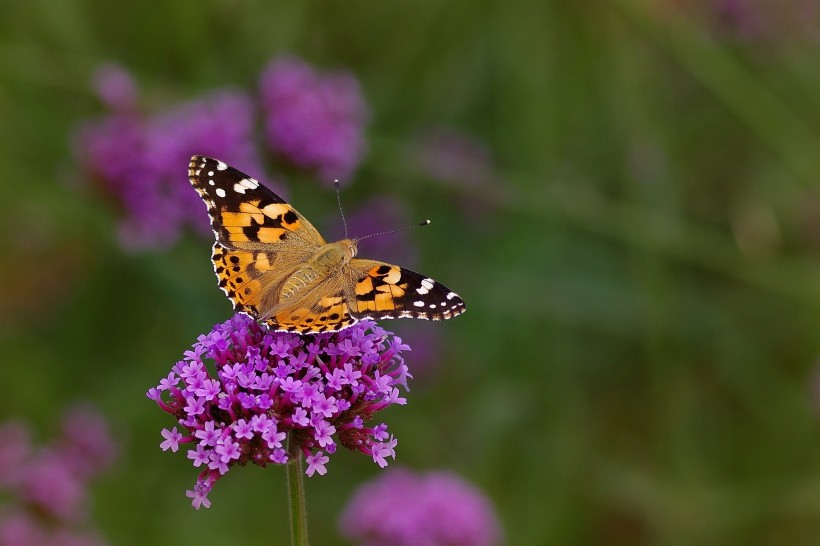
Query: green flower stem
[[296, 500]]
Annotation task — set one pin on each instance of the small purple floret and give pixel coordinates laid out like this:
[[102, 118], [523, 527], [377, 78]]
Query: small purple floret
[[265, 388]]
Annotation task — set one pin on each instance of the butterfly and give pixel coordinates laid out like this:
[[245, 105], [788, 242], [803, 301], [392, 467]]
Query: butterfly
[[275, 266]]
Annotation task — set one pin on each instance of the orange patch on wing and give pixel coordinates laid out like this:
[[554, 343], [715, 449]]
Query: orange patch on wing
[[365, 286], [384, 302], [262, 262], [330, 301], [237, 235], [275, 210], [270, 234], [397, 290], [393, 276], [239, 218]]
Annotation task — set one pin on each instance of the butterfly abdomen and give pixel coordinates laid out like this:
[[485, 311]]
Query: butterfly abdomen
[[298, 281]]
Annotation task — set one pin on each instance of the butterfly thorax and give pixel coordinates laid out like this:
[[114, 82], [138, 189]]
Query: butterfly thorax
[[323, 263]]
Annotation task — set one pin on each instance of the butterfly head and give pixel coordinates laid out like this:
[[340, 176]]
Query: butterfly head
[[350, 247]]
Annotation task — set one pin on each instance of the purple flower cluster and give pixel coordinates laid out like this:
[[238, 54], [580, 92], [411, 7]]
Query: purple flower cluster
[[46, 487], [276, 395], [137, 159], [314, 120], [401, 508]]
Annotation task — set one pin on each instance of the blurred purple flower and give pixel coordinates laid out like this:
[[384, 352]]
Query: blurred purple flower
[[20, 528], [314, 120], [401, 508], [51, 484], [140, 160], [46, 489], [14, 450], [741, 17], [453, 157], [115, 87], [277, 394], [767, 20], [464, 164], [87, 445]]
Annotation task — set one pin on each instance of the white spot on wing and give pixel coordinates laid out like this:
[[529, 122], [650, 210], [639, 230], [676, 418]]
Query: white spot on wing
[[211, 182], [220, 166], [210, 173], [239, 188], [426, 286], [418, 303], [220, 192]]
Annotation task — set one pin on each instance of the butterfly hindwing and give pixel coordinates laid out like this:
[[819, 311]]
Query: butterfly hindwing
[[240, 275], [328, 313], [383, 291]]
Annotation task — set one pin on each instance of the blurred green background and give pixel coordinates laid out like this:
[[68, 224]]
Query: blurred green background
[[641, 264]]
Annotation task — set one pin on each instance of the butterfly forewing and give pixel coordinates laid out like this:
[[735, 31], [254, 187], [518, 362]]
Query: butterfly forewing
[[243, 212], [261, 258]]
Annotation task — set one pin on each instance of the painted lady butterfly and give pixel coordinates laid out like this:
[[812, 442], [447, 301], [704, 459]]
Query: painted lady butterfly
[[276, 267]]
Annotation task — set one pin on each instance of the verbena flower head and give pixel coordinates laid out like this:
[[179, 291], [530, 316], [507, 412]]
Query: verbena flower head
[[136, 158], [402, 508], [263, 397], [314, 120], [45, 489]]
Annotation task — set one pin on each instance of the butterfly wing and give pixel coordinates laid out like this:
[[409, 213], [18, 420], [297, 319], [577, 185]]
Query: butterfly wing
[[244, 213], [260, 238], [383, 291], [323, 309]]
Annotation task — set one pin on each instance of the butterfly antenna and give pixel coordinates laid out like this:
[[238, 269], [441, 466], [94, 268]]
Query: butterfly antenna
[[420, 224], [339, 201]]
